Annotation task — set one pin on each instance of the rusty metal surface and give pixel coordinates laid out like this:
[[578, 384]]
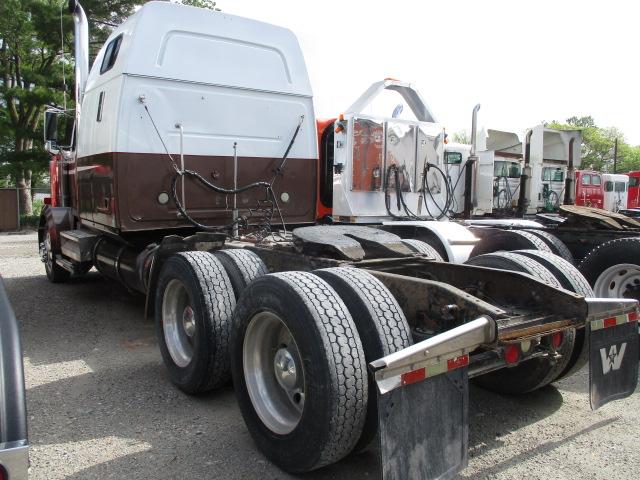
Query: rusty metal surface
[[349, 242], [283, 259], [432, 306], [578, 216], [515, 292]]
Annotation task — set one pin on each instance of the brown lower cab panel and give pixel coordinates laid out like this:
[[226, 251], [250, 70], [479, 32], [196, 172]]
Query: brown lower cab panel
[[121, 190]]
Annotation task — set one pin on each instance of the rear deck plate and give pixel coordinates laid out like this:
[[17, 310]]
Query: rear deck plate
[[424, 429], [613, 363]]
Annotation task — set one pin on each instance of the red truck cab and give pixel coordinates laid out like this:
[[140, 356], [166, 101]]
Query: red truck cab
[[633, 198], [589, 190]]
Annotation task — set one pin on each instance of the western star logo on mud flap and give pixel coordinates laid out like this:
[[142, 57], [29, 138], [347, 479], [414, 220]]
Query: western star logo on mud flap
[[613, 359]]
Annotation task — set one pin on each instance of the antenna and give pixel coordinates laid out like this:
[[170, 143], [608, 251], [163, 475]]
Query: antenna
[[64, 80]]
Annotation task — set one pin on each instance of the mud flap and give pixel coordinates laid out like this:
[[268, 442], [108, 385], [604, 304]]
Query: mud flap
[[613, 360], [424, 429]]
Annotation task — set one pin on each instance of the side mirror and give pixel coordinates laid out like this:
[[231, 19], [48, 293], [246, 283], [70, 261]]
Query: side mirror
[[50, 127]]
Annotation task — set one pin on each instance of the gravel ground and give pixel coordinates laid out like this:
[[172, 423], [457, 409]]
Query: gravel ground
[[100, 404]]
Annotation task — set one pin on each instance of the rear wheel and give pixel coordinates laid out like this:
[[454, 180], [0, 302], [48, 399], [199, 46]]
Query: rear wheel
[[299, 370], [571, 279], [508, 240], [556, 245], [424, 248], [613, 268], [537, 372], [381, 324], [194, 306], [242, 266]]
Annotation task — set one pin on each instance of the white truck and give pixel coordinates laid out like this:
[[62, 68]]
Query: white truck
[[291, 256]]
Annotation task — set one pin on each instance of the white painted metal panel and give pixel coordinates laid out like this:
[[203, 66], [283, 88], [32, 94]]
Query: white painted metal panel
[[213, 118]]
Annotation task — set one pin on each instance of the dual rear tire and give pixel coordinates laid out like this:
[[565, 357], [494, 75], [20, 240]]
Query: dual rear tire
[[297, 345], [196, 296], [536, 373], [339, 319]]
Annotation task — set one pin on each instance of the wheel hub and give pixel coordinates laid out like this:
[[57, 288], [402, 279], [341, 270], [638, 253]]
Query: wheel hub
[[285, 369], [178, 323], [188, 321], [46, 252], [619, 281], [274, 373]]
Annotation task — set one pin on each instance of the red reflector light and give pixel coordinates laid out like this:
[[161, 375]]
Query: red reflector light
[[3, 473], [633, 316], [609, 322], [511, 353], [47, 201], [556, 339], [413, 376], [461, 361]]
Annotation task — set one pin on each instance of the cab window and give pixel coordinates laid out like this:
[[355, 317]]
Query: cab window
[[586, 180], [110, 54], [552, 174], [506, 169], [608, 186], [453, 158], [621, 187], [634, 181], [596, 180]]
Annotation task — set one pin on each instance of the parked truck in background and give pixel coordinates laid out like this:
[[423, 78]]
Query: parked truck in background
[[633, 198], [589, 189], [303, 259], [615, 191]]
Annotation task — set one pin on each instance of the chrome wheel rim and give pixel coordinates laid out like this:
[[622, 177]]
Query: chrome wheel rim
[[273, 372], [178, 323], [47, 256], [619, 281]]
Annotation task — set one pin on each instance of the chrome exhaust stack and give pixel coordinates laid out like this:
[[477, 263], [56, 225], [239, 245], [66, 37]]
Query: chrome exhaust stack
[[471, 169], [81, 51]]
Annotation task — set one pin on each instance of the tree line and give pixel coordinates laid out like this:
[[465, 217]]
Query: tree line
[[36, 70], [598, 146]]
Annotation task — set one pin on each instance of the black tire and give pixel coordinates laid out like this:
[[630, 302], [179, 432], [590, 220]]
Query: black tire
[[508, 240], [517, 263], [333, 363], [55, 273], [607, 255], [242, 266], [419, 246], [571, 279], [381, 324], [210, 296], [535, 373], [556, 245]]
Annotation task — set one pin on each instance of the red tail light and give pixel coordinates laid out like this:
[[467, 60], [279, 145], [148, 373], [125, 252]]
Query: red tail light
[[47, 201], [556, 339], [512, 353]]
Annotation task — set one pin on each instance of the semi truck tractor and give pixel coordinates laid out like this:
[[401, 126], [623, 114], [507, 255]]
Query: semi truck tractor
[[302, 258]]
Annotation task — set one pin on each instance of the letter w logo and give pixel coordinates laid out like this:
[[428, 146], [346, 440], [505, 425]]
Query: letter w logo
[[613, 359]]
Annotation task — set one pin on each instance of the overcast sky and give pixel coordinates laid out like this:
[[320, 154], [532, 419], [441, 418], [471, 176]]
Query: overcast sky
[[525, 62]]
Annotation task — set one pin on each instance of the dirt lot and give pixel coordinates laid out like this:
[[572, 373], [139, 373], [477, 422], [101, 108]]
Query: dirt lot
[[100, 404]]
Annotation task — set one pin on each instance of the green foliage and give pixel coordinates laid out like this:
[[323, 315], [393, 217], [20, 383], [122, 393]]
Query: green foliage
[[29, 221], [32, 220], [598, 145], [36, 38], [209, 4], [463, 137]]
